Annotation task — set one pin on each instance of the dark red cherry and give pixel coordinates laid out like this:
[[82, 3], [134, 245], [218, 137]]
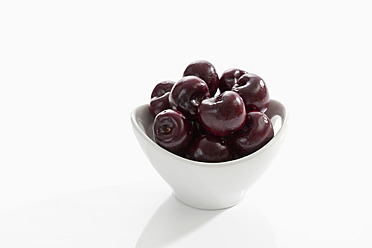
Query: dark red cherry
[[223, 114], [229, 78], [161, 88], [187, 94], [206, 71], [172, 131], [253, 90], [257, 131], [198, 129], [160, 97], [209, 148]]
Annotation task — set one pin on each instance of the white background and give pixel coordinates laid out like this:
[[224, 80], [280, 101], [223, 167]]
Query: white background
[[73, 175]]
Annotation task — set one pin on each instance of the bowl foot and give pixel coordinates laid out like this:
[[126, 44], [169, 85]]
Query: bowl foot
[[209, 205]]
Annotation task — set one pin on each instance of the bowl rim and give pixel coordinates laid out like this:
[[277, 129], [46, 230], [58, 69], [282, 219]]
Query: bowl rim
[[229, 163]]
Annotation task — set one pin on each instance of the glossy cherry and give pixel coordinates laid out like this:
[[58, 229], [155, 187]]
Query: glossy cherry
[[172, 131], [254, 92], [229, 78], [257, 131], [209, 148], [206, 71], [160, 97], [187, 94], [222, 115], [161, 88]]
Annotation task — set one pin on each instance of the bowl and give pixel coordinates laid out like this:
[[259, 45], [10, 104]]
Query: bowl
[[209, 185]]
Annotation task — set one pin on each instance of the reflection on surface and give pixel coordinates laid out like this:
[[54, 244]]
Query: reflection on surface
[[126, 216], [171, 221], [175, 224]]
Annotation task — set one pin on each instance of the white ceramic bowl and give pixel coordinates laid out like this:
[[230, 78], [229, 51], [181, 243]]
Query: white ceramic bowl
[[209, 185]]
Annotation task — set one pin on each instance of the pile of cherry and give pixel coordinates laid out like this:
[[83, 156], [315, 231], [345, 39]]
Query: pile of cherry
[[206, 118]]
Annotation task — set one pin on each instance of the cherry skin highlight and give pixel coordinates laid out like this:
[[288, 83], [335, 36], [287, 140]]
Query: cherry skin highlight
[[254, 92], [257, 131], [187, 94], [172, 131], [206, 71], [222, 115], [161, 88], [209, 148], [229, 78], [160, 97]]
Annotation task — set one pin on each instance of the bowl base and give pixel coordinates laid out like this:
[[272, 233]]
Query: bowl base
[[208, 206]]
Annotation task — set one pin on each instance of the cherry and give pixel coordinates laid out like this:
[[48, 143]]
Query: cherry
[[253, 90], [209, 148], [187, 94], [161, 88], [197, 129], [229, 78], [206, 71], [193, 122], [223, 114], [160, 97], [257, 131], [172, 131]]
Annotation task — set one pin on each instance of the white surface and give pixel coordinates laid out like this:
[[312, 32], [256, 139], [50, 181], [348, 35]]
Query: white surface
[[132, 216], [205, 185], [71, 72]]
